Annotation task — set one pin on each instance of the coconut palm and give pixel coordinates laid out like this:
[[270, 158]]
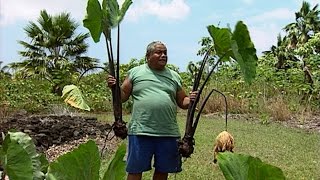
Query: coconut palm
[[307, 24], [55, 51]]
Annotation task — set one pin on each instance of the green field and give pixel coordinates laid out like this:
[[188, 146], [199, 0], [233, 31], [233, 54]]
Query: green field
[[293, 150]]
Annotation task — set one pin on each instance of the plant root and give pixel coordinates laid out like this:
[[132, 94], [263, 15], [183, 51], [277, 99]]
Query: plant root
[[186, 146], [224, 142], [120, 129]]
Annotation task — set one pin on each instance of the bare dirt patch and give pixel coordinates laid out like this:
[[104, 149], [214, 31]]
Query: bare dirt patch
[[55, 135]]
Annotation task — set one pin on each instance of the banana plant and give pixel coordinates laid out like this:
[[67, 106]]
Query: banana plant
[[102, 18], [228, 46]]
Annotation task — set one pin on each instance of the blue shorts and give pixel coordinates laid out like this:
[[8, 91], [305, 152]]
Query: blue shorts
[[164, 150]]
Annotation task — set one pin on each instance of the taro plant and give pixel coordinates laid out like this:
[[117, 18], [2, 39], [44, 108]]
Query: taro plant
[[19, 160], [240, 166], [228, 46], [102, 18]]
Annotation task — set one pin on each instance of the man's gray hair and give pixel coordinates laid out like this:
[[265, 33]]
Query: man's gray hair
[[151, 46]]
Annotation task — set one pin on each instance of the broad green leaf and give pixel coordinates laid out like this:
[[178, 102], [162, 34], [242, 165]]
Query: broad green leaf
[[245, 167], [73, 96], [82, 163], [21, 158], [93, 19], [244, 51], [116, 169], [18, 164], [44, 163], [222, 41], [112, 9], [237, 45], [125, 6], [112, 15]]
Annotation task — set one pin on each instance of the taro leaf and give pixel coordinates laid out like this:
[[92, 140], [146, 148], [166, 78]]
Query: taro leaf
[[82, 163], [246, 167], [103, 20], [44, 163], [125, 6], [73, 96], [111, 7], [21, 158], [222, 41], [93, 19], [244, 51], [237, 45], [116, 168], [112, 15]]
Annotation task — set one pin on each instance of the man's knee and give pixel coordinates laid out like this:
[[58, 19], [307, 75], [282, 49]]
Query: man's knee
[[134, 176]]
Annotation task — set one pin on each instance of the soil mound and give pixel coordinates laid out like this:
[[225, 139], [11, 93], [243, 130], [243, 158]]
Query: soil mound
[[54, 130]]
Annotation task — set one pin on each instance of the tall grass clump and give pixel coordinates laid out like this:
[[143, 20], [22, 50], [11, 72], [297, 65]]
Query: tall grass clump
[[278, 109]]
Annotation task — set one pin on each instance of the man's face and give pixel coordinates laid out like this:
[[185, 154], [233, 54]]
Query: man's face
[[158, 58]]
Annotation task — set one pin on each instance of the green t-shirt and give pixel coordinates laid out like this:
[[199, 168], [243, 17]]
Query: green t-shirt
[[154, 102]]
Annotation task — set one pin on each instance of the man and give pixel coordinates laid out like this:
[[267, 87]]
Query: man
[[153, 131]]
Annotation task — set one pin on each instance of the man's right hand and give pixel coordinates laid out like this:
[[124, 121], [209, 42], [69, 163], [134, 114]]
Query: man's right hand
[[111, 81]]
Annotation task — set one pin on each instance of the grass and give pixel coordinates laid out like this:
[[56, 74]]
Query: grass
[[293, 150]]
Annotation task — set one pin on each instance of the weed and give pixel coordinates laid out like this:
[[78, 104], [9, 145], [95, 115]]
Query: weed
[[278, 109]]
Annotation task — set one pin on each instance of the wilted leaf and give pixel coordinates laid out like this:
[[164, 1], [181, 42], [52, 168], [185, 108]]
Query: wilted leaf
[[73, 96]]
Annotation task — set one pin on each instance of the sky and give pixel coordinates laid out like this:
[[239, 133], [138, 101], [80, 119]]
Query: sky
[[180, 24]]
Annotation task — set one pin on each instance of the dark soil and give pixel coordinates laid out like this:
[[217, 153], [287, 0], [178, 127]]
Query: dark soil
[[48, 131]]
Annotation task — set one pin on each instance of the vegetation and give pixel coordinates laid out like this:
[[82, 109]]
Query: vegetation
[[102, 19], [55, 52], [286, 87], [19, 160], [227, 46], [293, 150]]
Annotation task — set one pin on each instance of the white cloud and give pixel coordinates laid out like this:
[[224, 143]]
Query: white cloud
[[265, 27], [263, 39], [276, 14], [12, 11], [172, 10]]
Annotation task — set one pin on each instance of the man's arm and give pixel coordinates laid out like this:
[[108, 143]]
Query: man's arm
[[126, 87], [183, 100]]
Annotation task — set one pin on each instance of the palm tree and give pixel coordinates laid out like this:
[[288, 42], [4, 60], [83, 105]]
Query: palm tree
[[55, 52], [307, 24], [298, 33], [282, 54]]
